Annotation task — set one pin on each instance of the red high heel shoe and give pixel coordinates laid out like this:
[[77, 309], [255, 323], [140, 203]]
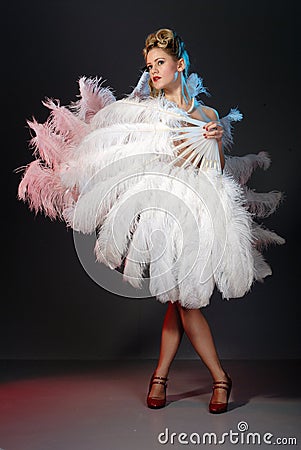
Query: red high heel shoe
[[155, 402], [218, 408]]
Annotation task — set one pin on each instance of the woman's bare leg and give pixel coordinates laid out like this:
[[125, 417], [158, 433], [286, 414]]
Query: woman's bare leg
[[172, 332], [197, 329]]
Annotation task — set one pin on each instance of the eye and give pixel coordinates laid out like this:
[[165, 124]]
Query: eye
[[148, 68], [160, 62]]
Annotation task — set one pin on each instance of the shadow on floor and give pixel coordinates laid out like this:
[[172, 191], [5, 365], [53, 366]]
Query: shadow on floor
[[268, 379]]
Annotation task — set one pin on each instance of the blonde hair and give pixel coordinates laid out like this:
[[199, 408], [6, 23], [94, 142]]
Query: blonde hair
[[172, 44]]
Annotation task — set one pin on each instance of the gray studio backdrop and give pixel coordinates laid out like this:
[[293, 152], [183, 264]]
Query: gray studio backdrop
[[246, 54]]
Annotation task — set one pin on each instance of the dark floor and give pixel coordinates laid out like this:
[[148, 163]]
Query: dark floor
[[88, 405]]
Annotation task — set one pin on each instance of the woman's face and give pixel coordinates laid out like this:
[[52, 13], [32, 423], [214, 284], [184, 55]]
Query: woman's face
[[163, 69]]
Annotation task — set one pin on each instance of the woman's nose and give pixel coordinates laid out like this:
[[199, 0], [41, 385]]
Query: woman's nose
[[154, 69]]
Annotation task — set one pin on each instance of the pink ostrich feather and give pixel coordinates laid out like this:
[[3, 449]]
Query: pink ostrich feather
[[65, 122], [47, 144], [41, 187], [93, 97]]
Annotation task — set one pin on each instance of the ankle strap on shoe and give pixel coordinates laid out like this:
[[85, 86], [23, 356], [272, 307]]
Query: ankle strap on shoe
[[221, 385], [159, 380]]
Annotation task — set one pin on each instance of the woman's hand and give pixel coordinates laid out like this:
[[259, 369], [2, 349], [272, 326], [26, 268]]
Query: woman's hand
[[214, 130]]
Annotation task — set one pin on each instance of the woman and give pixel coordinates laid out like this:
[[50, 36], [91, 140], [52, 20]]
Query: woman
[[154, 162], [168, 64]]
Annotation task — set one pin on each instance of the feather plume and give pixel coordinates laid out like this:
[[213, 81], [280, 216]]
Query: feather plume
[[65, 123], [47, 144], [42, 189], [265, 237], [262, 204], [237, 254], [141, 90], [195, 85], [242, 167], [93, 98], [261, 267], [233, 116]]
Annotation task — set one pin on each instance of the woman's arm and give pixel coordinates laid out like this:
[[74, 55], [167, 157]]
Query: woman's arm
[[215, 131]]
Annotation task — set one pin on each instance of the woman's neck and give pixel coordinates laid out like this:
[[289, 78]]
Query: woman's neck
[[177, 96]]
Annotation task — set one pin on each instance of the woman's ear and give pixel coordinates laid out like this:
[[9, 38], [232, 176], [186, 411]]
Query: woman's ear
[[181, 65]]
